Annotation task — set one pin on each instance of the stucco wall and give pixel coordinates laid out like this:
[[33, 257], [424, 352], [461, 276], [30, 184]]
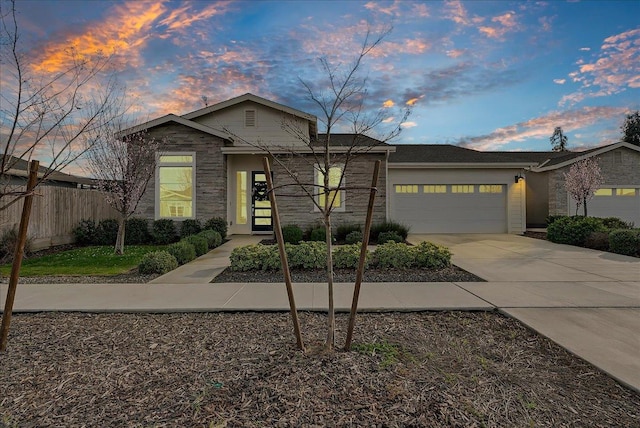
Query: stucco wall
[[300, 210], [211, 178], [619, 167]]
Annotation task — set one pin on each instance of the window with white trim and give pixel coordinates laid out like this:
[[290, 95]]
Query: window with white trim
[[434, 188], [406, 188], [337, 196], [462, 188], [490, 188], [175, 181]]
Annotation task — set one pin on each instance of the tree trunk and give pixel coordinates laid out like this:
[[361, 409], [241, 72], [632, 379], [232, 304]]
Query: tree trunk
[[119, 249], [331, 316]]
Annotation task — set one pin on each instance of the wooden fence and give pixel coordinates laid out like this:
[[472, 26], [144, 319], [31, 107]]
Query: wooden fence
[[56, 212]]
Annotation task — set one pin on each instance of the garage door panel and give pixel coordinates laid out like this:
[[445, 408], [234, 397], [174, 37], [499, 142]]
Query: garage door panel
[[451, 212], [626, 207]]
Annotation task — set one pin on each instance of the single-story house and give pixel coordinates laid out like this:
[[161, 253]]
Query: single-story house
[[211, 166]]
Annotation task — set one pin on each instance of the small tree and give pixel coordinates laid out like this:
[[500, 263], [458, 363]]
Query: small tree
[[631, 128], [582, 180], [558, 140], [45, 113], [123, 167]]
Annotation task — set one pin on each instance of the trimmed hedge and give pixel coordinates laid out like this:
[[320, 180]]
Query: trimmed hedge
[[107, 232], [190, 227], [390, 236], [625, 241], [85, 232], [218, 224], [213, 238], [307, 255], [199, 244], [183, 251], [388, 226], [343, 230], [353, 237], [292, 234], [573, 230], [157, 262], [318, 234], [136, 232], [164, 231], [348, 256]]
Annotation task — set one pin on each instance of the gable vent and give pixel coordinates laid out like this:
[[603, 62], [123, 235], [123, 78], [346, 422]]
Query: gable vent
[[250, 118]]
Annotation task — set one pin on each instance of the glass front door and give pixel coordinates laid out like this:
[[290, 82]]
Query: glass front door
[[260, 205]]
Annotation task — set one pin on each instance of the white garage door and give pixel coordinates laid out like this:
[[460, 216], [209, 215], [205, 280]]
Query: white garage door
[[450, 208], [621, 202]]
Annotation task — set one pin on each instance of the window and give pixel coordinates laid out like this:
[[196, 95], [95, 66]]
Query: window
[[490, 188], [241, 197], [603, 192], [250, 118], [337, 196], [174, 185], [431, 188], [625, 192], [406, 188], [462, 188]]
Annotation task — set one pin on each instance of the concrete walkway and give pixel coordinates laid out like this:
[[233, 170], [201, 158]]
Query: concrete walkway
[[587, 301]]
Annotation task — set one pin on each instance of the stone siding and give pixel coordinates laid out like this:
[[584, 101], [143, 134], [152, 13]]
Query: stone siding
[[211, 177], [619, 167], [299, 210]]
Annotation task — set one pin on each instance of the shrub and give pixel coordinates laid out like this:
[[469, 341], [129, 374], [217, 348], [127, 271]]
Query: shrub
[[164, 231], [307, 255], [199, 244], [248, 257], [625, 241], [137, 232], [291, 234], [107, 232], [573, 230], [183, 251], [430, 256], [550, 219], [348, 256], [344, 230], [213, 238], [190, 227], [597, 241], [157, 262], [318, 234], [390, 236], [353, 237], [393, 255], [85, 232], [8, 241], [616, 223], [218, 224], [389, 226]]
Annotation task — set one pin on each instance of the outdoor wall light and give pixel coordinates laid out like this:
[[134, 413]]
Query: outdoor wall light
[[518, 178]]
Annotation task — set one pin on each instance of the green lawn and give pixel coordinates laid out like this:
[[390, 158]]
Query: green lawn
[[84, 261]]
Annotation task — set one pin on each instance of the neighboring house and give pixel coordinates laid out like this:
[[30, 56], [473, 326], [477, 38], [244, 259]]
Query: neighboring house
[[212, 167], [18, 172]]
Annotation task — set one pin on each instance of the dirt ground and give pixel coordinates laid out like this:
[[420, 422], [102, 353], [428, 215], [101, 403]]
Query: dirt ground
[[434, 369]]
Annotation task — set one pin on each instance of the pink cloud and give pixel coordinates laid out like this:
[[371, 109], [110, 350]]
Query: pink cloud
[[616, 69], [505, 23], [559, 81]]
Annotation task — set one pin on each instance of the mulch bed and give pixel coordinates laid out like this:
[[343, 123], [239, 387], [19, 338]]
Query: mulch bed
[[243, 370]]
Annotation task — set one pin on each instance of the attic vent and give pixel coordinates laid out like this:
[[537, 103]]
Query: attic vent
[[250, 118]]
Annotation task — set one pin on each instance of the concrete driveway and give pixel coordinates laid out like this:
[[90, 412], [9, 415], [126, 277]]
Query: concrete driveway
[[587, 301]]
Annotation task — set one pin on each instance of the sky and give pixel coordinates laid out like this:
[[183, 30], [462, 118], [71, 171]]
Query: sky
[[488, 75]]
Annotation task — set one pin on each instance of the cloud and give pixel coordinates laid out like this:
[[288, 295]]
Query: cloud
[[455, 53], [408, 124], [184, 17], [388, 103], [378, 7], [543, 126], [559, 81], [456, 12], [505, 23], [614, 69], [585, 49]]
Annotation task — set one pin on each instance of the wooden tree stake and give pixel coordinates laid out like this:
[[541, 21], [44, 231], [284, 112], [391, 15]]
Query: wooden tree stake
[[363, 256], [18, 254], [283, 254]]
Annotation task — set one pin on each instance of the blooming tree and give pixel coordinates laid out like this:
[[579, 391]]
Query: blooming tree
[[582, 180], [123, 167]]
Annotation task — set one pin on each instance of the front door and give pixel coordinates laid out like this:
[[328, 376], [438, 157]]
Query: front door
[[260, 205]]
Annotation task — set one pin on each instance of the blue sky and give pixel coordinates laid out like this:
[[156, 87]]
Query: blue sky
[[489, 75]]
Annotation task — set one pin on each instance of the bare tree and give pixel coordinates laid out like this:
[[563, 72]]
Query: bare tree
[[43, 114], [123, 164], [342, 106], [582, 181], [558, 140]]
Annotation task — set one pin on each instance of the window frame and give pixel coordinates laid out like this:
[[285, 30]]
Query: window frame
[[160, 165], [318, 181]]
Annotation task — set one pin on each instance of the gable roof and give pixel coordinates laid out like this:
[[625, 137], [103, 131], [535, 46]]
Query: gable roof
[[176, 119], [450, 155], [19, 167], [571, 157], [258, 100]]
